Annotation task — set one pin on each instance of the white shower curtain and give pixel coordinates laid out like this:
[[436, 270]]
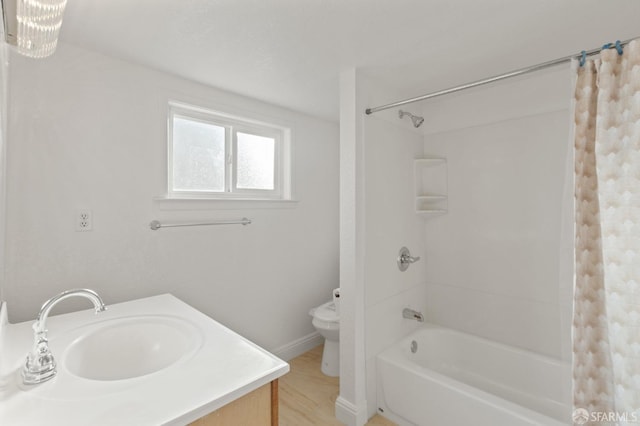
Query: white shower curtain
[[606, 318]]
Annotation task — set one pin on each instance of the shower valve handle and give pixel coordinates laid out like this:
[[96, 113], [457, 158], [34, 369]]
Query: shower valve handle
[[405, 259], [409, 259]]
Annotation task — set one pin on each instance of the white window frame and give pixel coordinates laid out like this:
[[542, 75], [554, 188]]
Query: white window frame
[[234, 124]]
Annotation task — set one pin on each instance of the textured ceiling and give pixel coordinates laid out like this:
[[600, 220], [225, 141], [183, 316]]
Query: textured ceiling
[[290, 52]]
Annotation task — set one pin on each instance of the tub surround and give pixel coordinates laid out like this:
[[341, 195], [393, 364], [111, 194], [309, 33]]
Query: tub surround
[[222, 368], [496, 254], [3, 325], [391, 223]]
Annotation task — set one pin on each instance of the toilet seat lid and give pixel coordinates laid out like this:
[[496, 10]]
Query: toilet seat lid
[[327, 312]]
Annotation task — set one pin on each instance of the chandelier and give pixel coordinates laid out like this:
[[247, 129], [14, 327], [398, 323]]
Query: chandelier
[[39, 24]]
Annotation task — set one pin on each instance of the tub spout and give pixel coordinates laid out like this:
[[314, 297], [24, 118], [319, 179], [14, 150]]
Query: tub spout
[[411, 314]]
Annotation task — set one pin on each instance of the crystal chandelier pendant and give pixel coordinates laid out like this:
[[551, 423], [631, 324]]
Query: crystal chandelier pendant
[[39, 24]]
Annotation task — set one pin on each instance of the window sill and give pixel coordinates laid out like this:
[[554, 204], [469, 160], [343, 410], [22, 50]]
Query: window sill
[[165, 203]]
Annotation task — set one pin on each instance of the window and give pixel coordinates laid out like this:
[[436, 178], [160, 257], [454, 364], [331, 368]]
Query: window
[[219, 156]]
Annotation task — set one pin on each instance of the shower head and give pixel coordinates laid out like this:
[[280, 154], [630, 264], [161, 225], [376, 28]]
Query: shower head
[[417, 121]]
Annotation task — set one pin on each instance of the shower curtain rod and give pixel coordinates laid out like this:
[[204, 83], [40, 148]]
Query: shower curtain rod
[[515, 73]]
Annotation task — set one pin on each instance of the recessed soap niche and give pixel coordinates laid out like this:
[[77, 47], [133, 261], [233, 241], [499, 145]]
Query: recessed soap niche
[[430, 186]]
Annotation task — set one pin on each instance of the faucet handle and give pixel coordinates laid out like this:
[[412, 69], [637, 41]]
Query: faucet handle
[[405, 259], [410, 259], [40, 365]]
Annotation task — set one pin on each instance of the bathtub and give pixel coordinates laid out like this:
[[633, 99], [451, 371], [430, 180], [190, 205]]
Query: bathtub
[[456, 379]]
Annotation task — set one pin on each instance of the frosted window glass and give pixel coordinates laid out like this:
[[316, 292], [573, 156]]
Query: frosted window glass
[[255, 162], [198, 156]]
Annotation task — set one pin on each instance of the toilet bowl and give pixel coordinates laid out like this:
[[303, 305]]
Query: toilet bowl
[[327, 321]]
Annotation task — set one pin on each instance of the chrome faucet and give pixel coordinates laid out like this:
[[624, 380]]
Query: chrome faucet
[[40, 365], [405, 259], [411, 314]]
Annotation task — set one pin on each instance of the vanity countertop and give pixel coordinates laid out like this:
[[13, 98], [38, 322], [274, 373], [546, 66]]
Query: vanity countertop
[[221, 367]]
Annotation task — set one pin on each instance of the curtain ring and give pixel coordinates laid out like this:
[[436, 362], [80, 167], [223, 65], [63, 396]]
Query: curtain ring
[[619, 47], [583, 58]]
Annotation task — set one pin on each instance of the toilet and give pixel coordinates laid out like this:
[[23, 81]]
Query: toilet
[[326, 319]]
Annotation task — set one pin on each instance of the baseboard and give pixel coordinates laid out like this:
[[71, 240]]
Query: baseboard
[[348, 413], [298, 346]]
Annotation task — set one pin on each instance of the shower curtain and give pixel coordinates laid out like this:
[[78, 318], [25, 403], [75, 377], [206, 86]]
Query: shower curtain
[[606, 318]]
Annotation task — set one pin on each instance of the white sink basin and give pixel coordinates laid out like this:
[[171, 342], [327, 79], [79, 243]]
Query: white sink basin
[[131, 347], [151, 361]]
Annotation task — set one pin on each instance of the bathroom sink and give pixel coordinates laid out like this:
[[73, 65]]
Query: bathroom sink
[[130, 347], [123, 366]]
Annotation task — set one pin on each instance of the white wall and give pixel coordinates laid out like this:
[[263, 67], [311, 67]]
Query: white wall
[[3, 130], [4, 103], [377, 219], [390, 223], [89, 131], [351, 403], [493, 262]]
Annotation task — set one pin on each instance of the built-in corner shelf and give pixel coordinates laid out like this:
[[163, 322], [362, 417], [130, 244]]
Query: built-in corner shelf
[[430, 186]]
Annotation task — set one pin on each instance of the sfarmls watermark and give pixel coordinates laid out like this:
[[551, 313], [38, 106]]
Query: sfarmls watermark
[[582, 416]]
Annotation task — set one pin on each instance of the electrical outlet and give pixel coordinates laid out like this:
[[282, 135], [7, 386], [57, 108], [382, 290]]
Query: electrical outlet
[[84, 220]]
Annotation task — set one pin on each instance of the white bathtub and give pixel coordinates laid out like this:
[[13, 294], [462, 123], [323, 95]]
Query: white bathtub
[[456, 379]]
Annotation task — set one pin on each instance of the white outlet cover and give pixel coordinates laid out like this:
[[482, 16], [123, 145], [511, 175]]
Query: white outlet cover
[[84, 220]]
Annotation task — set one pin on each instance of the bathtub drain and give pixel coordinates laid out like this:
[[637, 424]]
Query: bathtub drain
[[414, 346]]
